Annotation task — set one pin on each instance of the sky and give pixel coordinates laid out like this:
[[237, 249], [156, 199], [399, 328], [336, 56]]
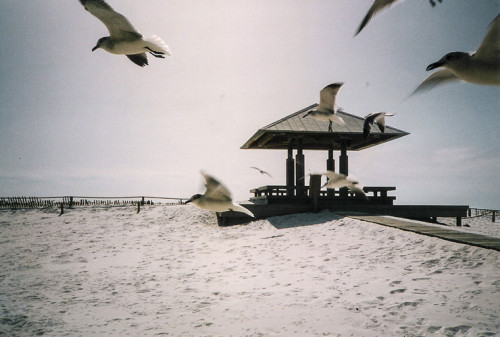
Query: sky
[[76, 122]]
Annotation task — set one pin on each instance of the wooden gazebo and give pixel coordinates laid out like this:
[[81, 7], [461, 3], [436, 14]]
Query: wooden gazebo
[[297, 133], [294, 132]]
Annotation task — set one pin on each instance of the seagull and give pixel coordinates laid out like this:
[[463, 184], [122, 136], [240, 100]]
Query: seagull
[[124, 39], [338, 180], [261, 171], [479, 67], [217, 198], [327, 109], [375, 117], [377, 6]]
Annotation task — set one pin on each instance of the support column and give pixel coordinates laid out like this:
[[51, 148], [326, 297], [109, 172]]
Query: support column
[[299, 170], [343, 166], [330, 166], [290, 173]]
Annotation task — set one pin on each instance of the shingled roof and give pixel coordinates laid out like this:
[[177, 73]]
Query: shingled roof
[[314, 133]]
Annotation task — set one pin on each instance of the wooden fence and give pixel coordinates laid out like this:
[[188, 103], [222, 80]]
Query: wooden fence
[[481, 212], [71, 201]]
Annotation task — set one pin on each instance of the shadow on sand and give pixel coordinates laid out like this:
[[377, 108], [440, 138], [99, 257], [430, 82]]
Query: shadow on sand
[[303, 219]]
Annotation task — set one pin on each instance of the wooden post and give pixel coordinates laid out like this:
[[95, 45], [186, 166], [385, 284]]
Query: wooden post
[[62, 209], [343, 166], [459, 221], [493, 216], [330, 166], [314, 189], [138, 207], [300, 170], [290, 173]]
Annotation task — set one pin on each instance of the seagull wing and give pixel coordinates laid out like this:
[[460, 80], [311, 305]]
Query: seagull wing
[[327, 97], [119, 27], [380, 120], [367, 126], [377, 6], [139, 59], [215, 189], [335, 180], [489, 50], [439, 77]]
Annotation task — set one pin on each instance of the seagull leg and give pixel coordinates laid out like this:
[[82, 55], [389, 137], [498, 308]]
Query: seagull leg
[[156, 53], [330, 127]]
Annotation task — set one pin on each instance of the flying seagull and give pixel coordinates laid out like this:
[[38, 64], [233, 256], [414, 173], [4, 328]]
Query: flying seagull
[[375, 117], [261, 171], [479, 67], [338, 180], [217, 198], [327, 109], [124, 39], [379, 5]]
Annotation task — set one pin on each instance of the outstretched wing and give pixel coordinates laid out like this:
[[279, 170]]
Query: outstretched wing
[[489, 50], [439, 77], [377, 6], [215, 189], [327, 97], [335, 180], [139, 59], [118, 26]]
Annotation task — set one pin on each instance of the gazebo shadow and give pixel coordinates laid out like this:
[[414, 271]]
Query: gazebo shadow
[[303, 219]]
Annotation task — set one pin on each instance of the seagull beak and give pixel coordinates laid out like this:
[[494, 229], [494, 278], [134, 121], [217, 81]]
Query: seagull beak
[[187, 202], [96, 47], [434, 65]]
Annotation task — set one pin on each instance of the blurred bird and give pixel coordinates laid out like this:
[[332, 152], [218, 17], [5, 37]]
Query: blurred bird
[[261, 171], [377, 6], [217, 198], [338, 180], [375, 117], [327, 109], [479, 67], [124, 39]]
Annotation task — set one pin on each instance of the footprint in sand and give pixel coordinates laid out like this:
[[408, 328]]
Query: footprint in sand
[[397, 291]]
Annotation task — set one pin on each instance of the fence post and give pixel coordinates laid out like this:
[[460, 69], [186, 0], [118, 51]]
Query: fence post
[[62, 208], [138, 207], [493, 216]]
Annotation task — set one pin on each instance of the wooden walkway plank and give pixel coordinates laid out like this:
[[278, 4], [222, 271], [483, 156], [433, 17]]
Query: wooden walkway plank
[[473, 239]]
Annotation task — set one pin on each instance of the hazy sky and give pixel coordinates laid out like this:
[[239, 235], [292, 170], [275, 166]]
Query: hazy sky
[[73, 122]]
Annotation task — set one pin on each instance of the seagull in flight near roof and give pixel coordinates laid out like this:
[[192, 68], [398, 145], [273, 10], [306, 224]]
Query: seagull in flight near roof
[[479, 67], [124, 39], [261, 171], [338, 180], [379, 5], [327, 109], [375, 117], [217, 198]]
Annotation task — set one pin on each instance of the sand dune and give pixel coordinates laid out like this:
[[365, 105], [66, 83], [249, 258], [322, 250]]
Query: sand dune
[[170, 271]]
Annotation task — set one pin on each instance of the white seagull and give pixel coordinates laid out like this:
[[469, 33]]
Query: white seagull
[[327, 109], [479, 67], [375, 117], [379, 5], [124, 39], [261, 171], [338, 180], [217, 198]]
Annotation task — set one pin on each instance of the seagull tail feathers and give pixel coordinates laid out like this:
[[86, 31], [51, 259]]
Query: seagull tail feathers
[[158, 45]]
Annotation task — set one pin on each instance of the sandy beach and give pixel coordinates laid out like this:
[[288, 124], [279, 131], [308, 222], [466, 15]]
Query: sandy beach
[[171, 271]]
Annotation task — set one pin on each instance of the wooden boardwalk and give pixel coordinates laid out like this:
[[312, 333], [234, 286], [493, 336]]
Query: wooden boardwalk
[[445, 233]]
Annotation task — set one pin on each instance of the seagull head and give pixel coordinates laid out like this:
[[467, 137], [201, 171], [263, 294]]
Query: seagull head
[[194, 199], [101, 42], [449, 60]]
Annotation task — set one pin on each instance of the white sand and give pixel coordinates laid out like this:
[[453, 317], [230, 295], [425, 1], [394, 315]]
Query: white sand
[[170, 271]]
